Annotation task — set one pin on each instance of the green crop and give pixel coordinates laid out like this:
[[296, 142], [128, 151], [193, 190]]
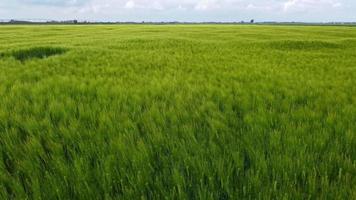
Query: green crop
[[177, 112]]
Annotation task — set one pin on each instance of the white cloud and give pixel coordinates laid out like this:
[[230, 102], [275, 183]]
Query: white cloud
[[157, 6], [337, 5], [207, 5], [304, 5], [130, 4], [144, 4], [190, 10], [261, 7], [54, 2]]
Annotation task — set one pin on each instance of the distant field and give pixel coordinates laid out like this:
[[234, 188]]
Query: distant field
[[177, 112]]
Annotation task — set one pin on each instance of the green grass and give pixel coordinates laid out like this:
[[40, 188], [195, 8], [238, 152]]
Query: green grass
[[177, 112]]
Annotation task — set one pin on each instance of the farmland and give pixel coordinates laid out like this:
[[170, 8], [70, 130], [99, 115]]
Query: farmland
[[177, 112]]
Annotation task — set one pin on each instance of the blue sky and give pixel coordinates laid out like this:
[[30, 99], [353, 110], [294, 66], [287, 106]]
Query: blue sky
[[181, 10]]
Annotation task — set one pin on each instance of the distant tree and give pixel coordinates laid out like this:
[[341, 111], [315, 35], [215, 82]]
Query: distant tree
[[252, 21], [75, 21]]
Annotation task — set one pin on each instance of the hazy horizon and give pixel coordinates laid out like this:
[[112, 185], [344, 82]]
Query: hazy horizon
[[184, 10]]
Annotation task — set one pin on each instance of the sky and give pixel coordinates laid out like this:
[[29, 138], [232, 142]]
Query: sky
[[181, 10]]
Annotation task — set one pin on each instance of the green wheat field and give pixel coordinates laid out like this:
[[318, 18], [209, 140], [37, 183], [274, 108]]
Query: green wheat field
[[177, 112]]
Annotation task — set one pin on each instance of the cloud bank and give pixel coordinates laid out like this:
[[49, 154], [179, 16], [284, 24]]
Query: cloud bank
[[182, 10]]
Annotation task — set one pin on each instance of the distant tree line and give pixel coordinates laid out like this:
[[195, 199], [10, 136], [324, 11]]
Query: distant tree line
[[252, 21], [13, 21]]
